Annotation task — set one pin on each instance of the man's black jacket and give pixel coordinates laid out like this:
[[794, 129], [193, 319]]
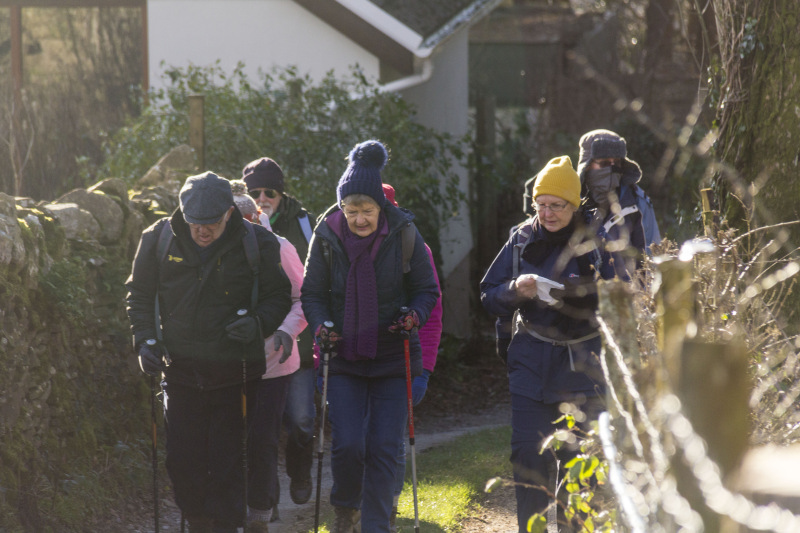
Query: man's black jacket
[[197, 300]]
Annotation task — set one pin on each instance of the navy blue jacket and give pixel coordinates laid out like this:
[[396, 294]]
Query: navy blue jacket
[[539, 369], [324, 284]]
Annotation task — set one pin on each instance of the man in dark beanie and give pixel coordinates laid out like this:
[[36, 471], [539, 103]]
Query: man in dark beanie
[[205, 290], [610, 184], [288, 218]]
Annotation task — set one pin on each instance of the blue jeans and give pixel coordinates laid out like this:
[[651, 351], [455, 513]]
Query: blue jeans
[[263, 489], [298, 417], [367, 419], [531, 423]]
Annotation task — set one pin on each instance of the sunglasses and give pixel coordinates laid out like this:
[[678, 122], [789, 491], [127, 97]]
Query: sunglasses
[[255, 194]]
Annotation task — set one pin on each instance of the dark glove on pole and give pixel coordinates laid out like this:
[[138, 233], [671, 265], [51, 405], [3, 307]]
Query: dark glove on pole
[[150, 355], [407, 320], [243, 329]]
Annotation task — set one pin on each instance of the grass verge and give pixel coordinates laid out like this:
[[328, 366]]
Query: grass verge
[[450, 478]]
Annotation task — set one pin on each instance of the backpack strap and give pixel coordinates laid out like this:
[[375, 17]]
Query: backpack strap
[[305, 225], [164, 240], [524, 232], [162, 250], [619, 217], [253, 258], [409, 237]]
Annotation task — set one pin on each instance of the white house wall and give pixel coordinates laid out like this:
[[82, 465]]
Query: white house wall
[[442, 104], [260, 33]]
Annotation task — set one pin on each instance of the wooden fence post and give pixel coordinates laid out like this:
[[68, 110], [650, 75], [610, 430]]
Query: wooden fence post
[[714, 389], [710, 216], [197, 137], [676, 310]]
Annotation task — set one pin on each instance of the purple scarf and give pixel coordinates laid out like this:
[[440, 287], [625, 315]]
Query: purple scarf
[[360, 329]]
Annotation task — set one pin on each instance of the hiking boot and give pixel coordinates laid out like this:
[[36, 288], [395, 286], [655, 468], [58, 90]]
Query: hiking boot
[[257, 526], [348, 520], [199, 524], [300, 490], [392, 519]]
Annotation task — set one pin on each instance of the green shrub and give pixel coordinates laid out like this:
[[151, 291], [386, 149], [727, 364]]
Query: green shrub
[[307, 127]]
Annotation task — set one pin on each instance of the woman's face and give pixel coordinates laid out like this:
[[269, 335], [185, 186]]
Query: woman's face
[[554, 212], [362, 217]]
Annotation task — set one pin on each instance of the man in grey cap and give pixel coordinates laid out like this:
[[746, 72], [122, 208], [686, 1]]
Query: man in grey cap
[[205, 290]]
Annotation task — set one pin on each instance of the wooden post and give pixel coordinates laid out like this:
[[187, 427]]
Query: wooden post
[[676, 310], [16, 113], [197, 128], [710, 216], [616, 308], [486, 188], [714, 389]]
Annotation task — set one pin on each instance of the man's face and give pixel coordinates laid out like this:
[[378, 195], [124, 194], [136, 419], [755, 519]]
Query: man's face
[[594, 164], [267, 199], [205, 234]]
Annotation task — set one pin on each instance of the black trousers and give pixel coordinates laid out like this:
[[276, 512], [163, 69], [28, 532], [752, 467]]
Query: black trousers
[[205, 451]]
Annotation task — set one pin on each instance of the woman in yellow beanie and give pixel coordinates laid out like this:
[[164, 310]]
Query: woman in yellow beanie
[[545, 276]]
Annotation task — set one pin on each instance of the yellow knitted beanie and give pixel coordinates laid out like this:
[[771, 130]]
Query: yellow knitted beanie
[[559, 179]]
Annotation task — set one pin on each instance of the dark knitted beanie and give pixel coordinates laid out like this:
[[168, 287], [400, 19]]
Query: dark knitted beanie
[[263, 173], [363, 173]]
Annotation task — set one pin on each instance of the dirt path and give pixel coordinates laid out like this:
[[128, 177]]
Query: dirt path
[[497, 509]]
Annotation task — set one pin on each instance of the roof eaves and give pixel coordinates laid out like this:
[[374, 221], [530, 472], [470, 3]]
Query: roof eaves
[[466, 17], [371, 28]]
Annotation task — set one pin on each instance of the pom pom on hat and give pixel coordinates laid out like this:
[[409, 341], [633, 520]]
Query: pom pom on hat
[[363, 173], [559, 179], [246, 205]]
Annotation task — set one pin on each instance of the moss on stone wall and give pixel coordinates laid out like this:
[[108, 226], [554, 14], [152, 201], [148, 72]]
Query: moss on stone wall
[[74, 411]]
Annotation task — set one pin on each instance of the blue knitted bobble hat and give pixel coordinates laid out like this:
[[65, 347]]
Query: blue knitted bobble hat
[[363, 173]]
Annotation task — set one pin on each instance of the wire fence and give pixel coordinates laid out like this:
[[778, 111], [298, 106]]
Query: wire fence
[[702, 373]]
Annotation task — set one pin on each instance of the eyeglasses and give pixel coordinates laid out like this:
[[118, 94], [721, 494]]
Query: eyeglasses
[[255, 194], [554, 208]]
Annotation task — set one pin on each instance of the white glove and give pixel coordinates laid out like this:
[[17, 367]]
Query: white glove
[[543, 286]]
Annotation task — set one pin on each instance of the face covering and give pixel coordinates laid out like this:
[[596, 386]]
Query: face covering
[[602, 182]]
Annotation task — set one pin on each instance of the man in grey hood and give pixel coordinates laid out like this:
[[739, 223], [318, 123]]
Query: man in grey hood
[[610, 186]]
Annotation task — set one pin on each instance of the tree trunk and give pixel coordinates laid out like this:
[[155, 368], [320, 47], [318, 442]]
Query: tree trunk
[[759, 116]]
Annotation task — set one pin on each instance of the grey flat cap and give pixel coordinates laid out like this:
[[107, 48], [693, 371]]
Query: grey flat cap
[[204, 198]]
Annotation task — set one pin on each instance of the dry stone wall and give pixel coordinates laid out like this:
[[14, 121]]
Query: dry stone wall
[[74, 407]]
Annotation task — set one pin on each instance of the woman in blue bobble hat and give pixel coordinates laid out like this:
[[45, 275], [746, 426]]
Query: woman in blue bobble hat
[[355, 279]]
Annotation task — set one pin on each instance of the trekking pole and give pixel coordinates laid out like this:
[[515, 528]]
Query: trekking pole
[[326, 353], [155, 448], [243, 312], [406, 336]]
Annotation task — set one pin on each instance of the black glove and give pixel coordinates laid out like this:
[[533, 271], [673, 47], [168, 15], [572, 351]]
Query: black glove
[[407, 320], [150, 357], [283, 339], [244, 329], [325, 335]]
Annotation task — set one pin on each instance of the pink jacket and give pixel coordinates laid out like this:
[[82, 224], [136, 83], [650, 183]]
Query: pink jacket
[[431, 333], [295, 321]]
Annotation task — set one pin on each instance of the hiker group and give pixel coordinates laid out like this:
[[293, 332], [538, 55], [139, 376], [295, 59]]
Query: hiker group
[[240, 299], [245, 306]]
